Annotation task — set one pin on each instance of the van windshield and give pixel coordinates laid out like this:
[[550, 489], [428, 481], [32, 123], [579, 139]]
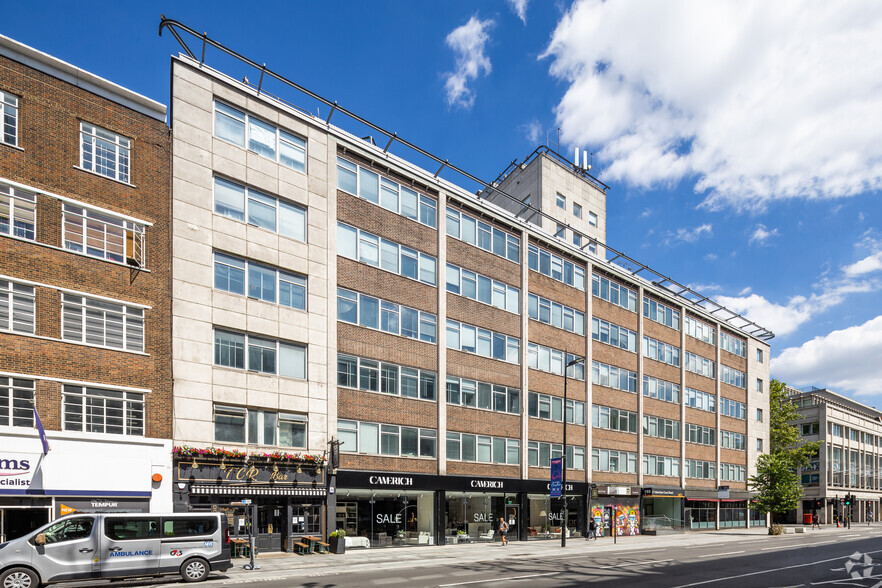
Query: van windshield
[[69, 530]]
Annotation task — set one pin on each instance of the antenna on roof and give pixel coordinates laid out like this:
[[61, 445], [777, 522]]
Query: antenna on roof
[[576, 160]]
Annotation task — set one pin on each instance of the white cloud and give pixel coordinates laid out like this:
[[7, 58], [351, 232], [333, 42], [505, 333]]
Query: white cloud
[[761, 235], [532, 131], [757, 100], [846, 360], [688, 235], [467, 42], [520, 8], [711, 257], [646, 213], [869, 264]]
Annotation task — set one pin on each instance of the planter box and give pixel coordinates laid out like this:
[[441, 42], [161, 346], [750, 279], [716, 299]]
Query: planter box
[[338, 544]]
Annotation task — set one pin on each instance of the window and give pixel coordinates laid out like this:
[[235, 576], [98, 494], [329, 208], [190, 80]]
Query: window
[[732, 344], [661, 389], [613, 293], [614, 335], [700, 400], [262, 138], [69, 530], [759, 445], [540, 455], [811, 429], [543, 406], [560, 231], [388, 440], [759, 415], [471, 339], [732, 473], [731, 440], [613, 377], [654, 426], [759, 385], [17, 307], [483, 395], [259, 427], [101, 235], [9, 118], [835, 430], [554, 314], [614, 419], [607, 460], [16, 402], [699, 365], [659, 351], [259, 209], [661, 313], [388, 378], [483, 289], [131, 528], [592, 219], [104, 152], [699, 330], [483, 449], [556, 267], [102, 323], [701, 470], [759, 355], [733, 408], [264, 283], [577, 239], [700, 435], [373, 313], [96, 410], [17, 212], [367, 248], [660, 465], [561, 201], [480, 234], [732, 376], [263, 355], [392, 196], [577, 210], [553, 361]]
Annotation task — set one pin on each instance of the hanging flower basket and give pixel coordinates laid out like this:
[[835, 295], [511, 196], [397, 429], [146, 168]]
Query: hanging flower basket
[[221, 453]]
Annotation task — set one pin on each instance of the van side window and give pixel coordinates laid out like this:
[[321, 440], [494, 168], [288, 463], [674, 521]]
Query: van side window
[[122, 529], [188, 526], [69, 530]]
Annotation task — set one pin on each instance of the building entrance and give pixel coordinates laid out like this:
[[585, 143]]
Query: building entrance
[[16, 522]]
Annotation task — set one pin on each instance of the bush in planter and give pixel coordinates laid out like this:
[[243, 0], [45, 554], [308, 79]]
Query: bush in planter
[[336, 541], [776, 529]]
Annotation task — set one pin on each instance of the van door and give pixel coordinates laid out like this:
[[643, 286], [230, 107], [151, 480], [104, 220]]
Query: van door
[[70, 550], [129, 546], [186, 535]]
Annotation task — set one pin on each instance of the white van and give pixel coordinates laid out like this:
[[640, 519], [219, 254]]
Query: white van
[[92, 546]]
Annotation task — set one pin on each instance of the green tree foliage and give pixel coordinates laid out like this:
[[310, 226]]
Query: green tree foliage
[[776, 481]]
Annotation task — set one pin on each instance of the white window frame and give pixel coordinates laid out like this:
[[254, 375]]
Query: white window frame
[[258, 197], [18, 307], [121, 240], [511, 296], [19, 209], [17, 402], [8, 118], [80, 313], [558, 268], [250, 341], [94, 399], [281, 137], [119, 146]]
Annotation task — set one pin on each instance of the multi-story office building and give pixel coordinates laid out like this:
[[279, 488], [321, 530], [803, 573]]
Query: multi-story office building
[[430, 337], [849, 459], [85, 291]]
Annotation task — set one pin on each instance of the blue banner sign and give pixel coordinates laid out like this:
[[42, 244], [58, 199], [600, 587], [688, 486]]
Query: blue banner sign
[[556, 471]]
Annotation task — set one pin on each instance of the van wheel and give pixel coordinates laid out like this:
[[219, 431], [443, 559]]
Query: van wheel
[[194, 570], [19, 578]]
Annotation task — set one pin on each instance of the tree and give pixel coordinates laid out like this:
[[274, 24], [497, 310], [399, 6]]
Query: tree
[[776, 481]]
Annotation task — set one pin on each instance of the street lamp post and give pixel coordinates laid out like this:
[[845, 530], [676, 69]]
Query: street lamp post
[[563, 473]]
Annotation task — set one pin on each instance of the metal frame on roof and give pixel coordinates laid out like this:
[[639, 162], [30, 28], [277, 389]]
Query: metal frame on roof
[[671, 286]]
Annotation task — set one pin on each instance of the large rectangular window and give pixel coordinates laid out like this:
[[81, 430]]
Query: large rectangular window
[[102, 235], [731, 376], [700, 435], [16, 402], [388, 378], [243, 129], [654, 426], [613, 377], [474, 394], [262, 210], [374, 313], [701, 470], [104, 152], [471, 339], [614, 419], [660, 351], [259, 427], [661, 465], [613, 334], [661, 389], [699, 330], [387, 440], [17, 307], [736, 345], [18, 210], [661, 313], [556, 267], [699, 365], [733, 408], [613, 293], [102, 323], [97, 410], [546, 359], [483, 449], [392, 196], [540, 454], [557, 315], [732, 473], [483, 289], [368, 248], [483, 235], [608, 460], [263, 283], [700, 400], [732, 440], [543, 406], [8, 118], [258, 354]]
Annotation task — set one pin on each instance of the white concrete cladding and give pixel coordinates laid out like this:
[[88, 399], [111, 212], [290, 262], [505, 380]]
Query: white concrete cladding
[[199, 232], [757, 383]]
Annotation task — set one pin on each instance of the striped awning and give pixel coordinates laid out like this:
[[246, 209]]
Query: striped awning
[[257, 491]]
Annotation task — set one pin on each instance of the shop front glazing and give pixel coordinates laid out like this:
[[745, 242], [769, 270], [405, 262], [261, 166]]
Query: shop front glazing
[[472, 516], [387, 518], [701, 514], [544, 516]]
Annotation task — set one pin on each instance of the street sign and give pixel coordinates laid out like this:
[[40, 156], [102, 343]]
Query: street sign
[[556, 472]]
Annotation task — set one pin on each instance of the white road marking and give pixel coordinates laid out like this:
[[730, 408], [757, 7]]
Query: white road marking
[[429, 577], [390, 581], [635, 563], [721, 554], [782, 547], [508, 579]]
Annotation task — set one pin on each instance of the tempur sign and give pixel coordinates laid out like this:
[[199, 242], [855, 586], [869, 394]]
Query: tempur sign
[[15, 472]]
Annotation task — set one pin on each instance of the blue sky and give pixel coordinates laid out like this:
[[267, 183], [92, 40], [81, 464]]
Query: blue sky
[[742, 142]]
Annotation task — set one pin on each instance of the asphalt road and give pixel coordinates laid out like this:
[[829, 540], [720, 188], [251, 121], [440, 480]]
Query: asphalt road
[[843, 559]]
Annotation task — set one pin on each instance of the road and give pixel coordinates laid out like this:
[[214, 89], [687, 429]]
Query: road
[[847, 558]]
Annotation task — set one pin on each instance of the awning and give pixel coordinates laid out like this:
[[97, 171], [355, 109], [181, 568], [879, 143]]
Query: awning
[[258, 491]]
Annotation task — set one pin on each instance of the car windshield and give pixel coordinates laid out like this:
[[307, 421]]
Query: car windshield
[[79, 528]]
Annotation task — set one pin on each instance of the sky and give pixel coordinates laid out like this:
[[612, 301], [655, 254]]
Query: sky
[[742, 141]]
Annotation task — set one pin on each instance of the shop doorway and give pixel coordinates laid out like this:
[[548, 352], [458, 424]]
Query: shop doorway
[[271, 526], [512, 518], [17, 522]]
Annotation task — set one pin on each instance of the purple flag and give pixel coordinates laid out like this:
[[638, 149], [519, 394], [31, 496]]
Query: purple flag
[[39, 424]]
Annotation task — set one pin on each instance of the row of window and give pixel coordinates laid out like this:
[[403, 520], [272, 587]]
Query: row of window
[[613, 334], [609, 460], [375, 313], [362, 182], [556, 267], [367, 248], [699, 365], [662, 428], [266, 356], [661, 465], [261, 210], [463, 392], [613, 377], [700, 400], [614, 419], [613, 293], [480, 234], [543, 406], [483, 448], [735, 345], [233, 424], [540, 454], [659, 351], [733, 473], [661, 389], [733, 408], [471, 339], [661, 313], [733, 377], [102, 323], [263, 283], [701, 435], [546, 359], [247, 131], [483, 289], [390, 440], [731, 440], [557, 315], [388, 378], [699, 330]]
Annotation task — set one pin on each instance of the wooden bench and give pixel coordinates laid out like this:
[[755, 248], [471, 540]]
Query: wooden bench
[[302, 548], [322, 547]]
